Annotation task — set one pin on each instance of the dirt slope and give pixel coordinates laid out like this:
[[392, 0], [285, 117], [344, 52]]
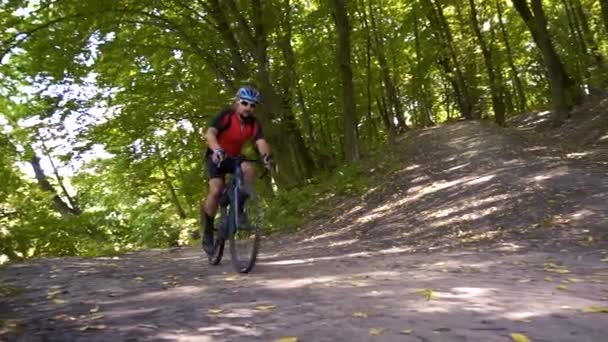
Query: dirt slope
[[478, 235]]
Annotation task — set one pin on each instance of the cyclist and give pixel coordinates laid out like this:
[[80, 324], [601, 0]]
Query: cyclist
[[229, 131]]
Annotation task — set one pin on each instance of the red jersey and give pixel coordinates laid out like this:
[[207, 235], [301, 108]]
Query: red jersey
[[233, 132]]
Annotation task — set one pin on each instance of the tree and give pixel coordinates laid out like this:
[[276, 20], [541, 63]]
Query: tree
[[495, 85], [349, 108], [565, 93]]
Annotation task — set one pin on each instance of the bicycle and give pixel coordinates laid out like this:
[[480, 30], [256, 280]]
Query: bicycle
[[240, 221]]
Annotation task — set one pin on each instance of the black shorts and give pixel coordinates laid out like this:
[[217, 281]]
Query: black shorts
[[226, 167]]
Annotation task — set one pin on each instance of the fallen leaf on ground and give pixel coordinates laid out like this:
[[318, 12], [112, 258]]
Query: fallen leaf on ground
[[596, 309], [548, 278], [524, 280], [138, 279], [574, 280], [265, 307], [563, 287], [426, 293], [215, 311], [406, 331], [97, 316], [518, 337], [95, 309], [360, 314], [58, 301], [288, 339], [376, 331]]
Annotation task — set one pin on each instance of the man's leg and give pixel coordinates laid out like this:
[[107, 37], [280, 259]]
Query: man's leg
[[208, 210], [248, 174]]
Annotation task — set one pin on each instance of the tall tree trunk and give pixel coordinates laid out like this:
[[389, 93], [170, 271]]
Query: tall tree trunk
[[284, 136], [565, 93], [393, 98], [495, 87], [597, 60], [519, 88], [424, 102], [63, 208], [580, 46], [371, 127], [167, 179], [71, 200], [349, 108], [304, 162], [449, 59], [604, 6]]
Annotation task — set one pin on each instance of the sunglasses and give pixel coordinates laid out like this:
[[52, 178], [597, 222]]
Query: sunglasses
[[246, 104]]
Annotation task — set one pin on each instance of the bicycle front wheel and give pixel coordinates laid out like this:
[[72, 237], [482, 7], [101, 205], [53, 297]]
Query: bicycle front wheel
[[219, 239], [245, 242]]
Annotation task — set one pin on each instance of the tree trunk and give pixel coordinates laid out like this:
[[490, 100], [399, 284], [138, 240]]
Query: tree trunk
[[422, 93], [299, 151], [519, 88], [349, 108], [371, 127], [284, 136], [71, 200], [495, 87], [63, 208], [449, 60], [604, 6], [393, 98], [564, 91], [597, 59]]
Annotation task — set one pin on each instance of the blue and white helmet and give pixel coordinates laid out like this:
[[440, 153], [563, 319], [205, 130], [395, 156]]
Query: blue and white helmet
[[249, 94]]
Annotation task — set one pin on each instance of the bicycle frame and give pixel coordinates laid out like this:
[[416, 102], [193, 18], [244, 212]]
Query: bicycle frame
[[233, 192]]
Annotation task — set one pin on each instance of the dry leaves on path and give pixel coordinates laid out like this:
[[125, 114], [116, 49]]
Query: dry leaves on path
[[519, 337]]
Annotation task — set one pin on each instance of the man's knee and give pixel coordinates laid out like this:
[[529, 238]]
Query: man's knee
[[248, 169], [215, 189]]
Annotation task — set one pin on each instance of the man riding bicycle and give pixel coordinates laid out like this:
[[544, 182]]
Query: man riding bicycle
[[228, 133]]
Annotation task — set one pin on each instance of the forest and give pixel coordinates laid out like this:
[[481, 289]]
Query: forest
[[104, 104]]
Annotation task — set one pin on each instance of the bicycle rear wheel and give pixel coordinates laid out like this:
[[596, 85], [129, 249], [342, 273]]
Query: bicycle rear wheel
[[245, 242]]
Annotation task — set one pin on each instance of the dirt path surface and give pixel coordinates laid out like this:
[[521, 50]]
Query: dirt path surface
[[476, 236]]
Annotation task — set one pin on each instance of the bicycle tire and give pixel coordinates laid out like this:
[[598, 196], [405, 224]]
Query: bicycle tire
[[245, 242], [219, 240]]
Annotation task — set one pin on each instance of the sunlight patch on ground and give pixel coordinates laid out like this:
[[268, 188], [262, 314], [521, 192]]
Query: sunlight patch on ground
[[353, 210], [172, 293], [581, 214], [577, 155], [480, 180], [321, 236], [291, 283], [471, 204], [396, 250], [466, 292], [552, 174], [343, 243], [416, 192], [470, 216], [508, 247], [308, 260], [458, 167]]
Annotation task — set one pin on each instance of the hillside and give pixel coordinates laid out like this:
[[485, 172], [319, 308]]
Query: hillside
[[478, 234]]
